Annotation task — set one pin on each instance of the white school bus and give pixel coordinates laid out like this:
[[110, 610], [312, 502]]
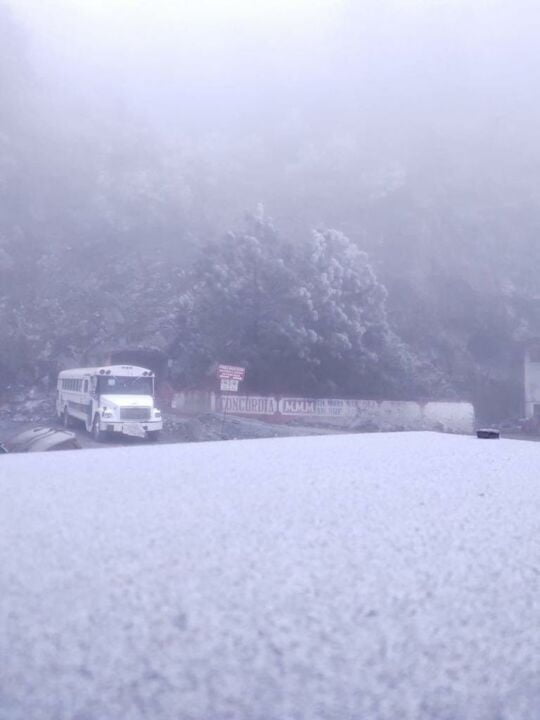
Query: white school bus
[[109, 399]]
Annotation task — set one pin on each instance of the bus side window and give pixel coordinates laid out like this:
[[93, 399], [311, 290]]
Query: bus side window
[[85, 389]]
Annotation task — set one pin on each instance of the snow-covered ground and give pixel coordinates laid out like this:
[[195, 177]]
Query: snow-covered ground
[[366, 577]]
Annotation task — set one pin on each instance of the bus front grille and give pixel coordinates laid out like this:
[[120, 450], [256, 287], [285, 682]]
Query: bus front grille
[[135, 413]]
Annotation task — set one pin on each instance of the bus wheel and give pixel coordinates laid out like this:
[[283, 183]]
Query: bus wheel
[[153, 435], [97, 434], [66, 418]]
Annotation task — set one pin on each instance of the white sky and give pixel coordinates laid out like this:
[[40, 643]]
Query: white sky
[[159, 51], [196, 9], [147, 15], [161, 31]]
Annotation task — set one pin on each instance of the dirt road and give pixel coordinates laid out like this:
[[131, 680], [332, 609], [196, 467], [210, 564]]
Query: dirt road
[[176, 429]]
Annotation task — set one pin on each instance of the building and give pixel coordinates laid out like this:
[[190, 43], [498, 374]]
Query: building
[[532, 381]]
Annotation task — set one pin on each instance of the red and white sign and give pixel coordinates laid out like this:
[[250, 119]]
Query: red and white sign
[[231, 372], [247, 404]]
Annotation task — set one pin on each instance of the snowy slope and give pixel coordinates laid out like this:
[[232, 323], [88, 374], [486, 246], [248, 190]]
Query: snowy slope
[[374, 577]]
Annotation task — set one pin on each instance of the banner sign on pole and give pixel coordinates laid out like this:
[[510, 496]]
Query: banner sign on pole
[[231, 372]]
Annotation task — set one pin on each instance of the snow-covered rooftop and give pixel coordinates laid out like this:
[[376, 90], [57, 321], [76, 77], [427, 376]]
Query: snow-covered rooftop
[[374, 577]]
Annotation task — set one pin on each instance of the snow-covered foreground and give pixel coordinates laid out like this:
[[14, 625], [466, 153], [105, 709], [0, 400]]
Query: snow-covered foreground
[[374, 577]]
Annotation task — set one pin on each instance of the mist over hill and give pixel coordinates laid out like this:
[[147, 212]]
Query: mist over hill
[[160, 164]]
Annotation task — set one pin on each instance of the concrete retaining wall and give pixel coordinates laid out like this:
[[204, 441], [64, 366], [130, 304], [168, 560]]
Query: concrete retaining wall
[[336, 412]]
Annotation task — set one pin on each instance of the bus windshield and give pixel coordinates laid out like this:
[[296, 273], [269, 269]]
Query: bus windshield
[[114, 385]]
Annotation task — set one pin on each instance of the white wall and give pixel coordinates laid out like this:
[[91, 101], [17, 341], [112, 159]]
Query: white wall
[[385, 415], [193, 402], [532, 385]]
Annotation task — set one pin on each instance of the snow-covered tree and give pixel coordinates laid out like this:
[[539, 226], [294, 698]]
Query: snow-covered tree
[[308, 317]]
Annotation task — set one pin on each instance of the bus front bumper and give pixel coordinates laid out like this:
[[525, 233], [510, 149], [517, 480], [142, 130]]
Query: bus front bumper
[[135, 429]]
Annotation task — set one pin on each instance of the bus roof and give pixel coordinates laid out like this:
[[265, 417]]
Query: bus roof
[[118, 370]]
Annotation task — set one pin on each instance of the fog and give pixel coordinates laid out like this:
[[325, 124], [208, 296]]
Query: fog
[[159, 57], [154, 127], [425, 59]]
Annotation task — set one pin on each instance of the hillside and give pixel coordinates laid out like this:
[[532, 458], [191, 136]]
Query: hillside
[[342, 200]]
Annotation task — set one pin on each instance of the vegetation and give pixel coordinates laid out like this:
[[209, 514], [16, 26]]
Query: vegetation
[[112, 234]]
